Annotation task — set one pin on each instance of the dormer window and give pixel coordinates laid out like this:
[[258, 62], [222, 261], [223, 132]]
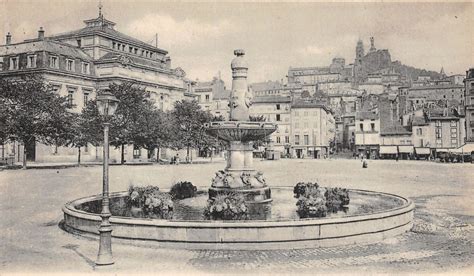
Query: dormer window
[[31, 61], [14, 63], [85, 68], [53, 62], [70, 65]]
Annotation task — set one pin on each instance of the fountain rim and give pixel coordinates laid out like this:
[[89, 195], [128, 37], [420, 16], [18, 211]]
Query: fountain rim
[[407, 206]]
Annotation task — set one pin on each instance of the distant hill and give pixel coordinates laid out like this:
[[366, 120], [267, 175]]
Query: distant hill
[[380, 61]]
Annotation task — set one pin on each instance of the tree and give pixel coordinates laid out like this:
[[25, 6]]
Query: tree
[[134, 107], [32, 111], [188, 132], [154, 132]]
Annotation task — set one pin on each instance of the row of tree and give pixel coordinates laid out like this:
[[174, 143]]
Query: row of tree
[[30, 111]]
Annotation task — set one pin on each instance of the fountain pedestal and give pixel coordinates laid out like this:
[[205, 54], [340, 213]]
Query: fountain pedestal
[[239, 175]]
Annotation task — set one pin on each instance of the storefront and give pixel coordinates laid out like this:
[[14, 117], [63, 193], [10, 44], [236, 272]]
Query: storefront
[[422, 153], [388, 152], [405, 152]]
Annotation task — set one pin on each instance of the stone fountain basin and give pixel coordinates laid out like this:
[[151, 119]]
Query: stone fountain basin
[[250, 234], [240, 131]]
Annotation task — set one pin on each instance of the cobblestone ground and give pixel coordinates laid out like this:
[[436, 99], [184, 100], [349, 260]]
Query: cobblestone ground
[[441, 240], [438, 242]]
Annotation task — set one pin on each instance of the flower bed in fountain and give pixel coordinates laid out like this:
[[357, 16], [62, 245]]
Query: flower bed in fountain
[[227, 206], [150, 202], [315, 201]]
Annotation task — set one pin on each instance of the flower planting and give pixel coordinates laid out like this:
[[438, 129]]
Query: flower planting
[[152, 202], [316, 201], [228, 206], [182, 190]]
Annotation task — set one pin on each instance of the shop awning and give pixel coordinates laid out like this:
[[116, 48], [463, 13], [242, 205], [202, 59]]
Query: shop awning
[[441, 150], [405, 149], [426, 151], [466, 148], [388, 150]]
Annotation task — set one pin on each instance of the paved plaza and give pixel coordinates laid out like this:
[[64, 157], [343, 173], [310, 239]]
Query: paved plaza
[[441, 240]]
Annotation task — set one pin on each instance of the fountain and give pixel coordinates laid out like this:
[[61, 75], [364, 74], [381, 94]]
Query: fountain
[[369, 217], [239, 176]]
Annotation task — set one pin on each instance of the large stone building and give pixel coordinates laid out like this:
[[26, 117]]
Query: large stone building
[[328, 79], [80, 62], [312, 129], [414, 98], [275, 109], [469, 105]]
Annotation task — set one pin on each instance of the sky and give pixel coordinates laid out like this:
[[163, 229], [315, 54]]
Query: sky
[[201, 37]]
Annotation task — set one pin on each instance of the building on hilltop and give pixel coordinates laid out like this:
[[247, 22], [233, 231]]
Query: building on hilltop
[[80, 62]]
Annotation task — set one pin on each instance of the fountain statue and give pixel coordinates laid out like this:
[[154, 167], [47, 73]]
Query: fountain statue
[[239, 176]]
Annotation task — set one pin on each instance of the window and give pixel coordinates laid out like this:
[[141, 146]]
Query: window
[[297, 139], [79, 43], [419, 131], [287, 139], [454, 135], [454, 130], [372, 127], [70, 96], [297, 125], [130, 49], [296, 114], [31, 61], [438, 133], [278, 106], [306, 140], [86, 97], [278, 140], [454, 141], [136, 152], [85, 68], [113, 44], [207, 98], [14, 63], [53, 62], [278, 117], [69, 64], [56, 88], [361, 126], [453, 124]]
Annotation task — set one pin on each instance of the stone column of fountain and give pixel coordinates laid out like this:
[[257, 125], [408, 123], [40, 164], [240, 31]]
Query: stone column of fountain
[[239, 176]]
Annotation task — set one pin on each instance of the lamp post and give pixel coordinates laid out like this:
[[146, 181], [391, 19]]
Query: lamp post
[[107, 104]]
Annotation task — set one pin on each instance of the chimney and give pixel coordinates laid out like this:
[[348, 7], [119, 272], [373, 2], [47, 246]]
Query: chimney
[[41, 34], [8, 39]]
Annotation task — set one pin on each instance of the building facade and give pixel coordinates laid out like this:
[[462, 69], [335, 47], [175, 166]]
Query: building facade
[[81, 62], [275, 109], [469, 105], [312, 130]]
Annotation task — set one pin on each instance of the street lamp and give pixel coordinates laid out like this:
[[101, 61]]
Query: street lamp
[[107, 104]]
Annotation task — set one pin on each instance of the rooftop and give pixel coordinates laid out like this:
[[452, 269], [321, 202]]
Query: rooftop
[[272, 99], [44, 45], [104, 27], [366, 115]]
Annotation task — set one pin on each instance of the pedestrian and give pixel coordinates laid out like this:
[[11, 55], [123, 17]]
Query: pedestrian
[[176, 159]]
